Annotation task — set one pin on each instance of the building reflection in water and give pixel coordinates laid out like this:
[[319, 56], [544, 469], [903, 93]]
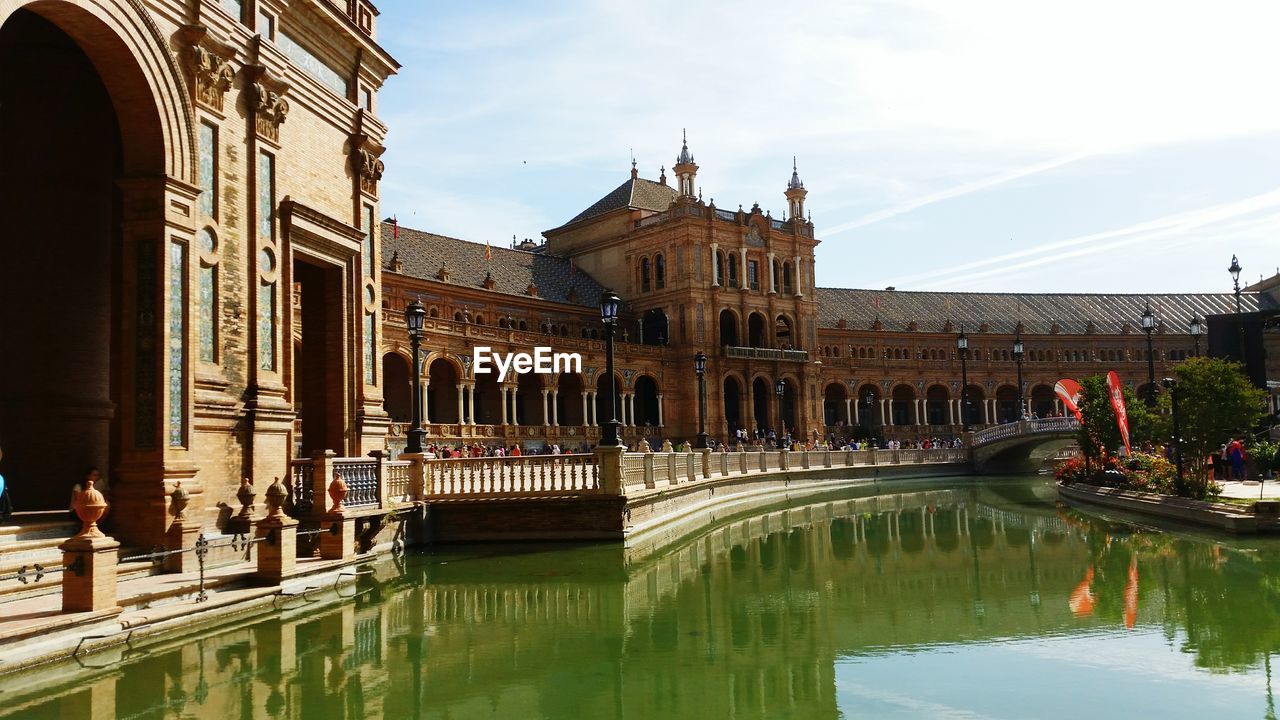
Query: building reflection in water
[[746, 620]]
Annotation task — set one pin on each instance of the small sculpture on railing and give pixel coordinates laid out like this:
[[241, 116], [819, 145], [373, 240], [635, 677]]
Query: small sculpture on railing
[[275, 496], [644, 446], [179, 499], [337, 493], [89, 505], [666, 446], [246, 497]]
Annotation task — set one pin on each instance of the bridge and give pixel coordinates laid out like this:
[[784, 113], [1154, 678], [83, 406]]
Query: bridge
[[1021, 446]]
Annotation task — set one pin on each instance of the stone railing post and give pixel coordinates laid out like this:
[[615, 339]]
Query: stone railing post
[[321, 474], [380, 472], [764, 459], [648, 471], [89, 559], [417, 475], [182, 532], [671, 468], [742, 461], [339, 543], [784, 460], [871, 455], [706, 463], [278, 551], [826, 458], [609, 460], [805, 460]]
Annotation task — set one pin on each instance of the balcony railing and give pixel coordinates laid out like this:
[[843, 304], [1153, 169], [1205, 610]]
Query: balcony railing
[[749, 353]]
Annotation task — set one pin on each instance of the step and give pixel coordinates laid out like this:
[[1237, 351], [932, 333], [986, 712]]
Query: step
[[51, 584]]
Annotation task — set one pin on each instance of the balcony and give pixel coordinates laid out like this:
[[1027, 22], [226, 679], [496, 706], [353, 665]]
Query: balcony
[[749, 353]]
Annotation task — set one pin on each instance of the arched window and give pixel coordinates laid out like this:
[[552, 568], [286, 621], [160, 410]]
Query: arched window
[[788, 279], [734, 273], [478, 319], [660, 272], [644, 275], [524, 325], [433, 312], [457, 316], [776, 269], [719, 269]]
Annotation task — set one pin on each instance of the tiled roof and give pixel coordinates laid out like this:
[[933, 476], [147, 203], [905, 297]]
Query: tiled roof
[[422, 254], [637, 193], [897, 309]]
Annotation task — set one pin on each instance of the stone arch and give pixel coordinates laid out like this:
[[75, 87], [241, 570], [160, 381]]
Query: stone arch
[[762, 401], [784, 332], [444, 374], [733, 392], [397, 387], [791, 404], [646, 390], [728, 327], [646, 275], [937, 398], [869, 405], [757, 331], [569, 390], [1007, 404], [659, 271], [1043, 400], [975, 413], [656, 327], [833, 407], [903, 406], [488, 409], [529, 405], [602, 410]]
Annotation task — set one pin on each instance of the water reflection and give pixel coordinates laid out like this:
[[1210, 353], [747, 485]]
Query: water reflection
[[773, 615]]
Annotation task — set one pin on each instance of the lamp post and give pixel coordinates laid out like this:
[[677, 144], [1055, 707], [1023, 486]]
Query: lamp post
[[700, 367], [779, 389], [1148, 326], [609, 316], [1172, 386], [1017, 356], [871, 407], [414, 318], [1196, 328], [1235, 279], [962, 346]]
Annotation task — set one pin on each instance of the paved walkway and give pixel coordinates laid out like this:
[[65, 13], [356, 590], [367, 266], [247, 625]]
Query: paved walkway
[[1249, 490]]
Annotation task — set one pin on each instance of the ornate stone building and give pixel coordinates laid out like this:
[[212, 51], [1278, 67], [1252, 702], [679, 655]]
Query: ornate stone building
[[189, 287], [739, 285]]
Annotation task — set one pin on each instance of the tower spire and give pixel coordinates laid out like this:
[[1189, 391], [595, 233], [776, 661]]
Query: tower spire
[[795, 192], [686, 169]]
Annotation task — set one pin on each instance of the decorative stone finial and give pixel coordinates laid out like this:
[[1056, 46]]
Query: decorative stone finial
[[337, 493], [179, 499], [275, 496], [246, 495], [90, 506]]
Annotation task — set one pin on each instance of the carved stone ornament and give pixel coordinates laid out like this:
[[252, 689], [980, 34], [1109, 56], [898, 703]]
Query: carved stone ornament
[[368, 167], [269, 110], [213, 75]]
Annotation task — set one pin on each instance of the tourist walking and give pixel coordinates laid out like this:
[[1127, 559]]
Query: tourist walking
[[1236, 456]]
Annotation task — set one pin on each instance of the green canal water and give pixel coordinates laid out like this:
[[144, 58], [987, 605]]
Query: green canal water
[[954, 599]]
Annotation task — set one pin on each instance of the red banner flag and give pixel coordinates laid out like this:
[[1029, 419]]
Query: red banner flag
[[1068, 391], [1117, 403], [395, 228]]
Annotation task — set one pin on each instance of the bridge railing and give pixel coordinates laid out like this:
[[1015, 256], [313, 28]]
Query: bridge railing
[[1025, 427], [524, 475]]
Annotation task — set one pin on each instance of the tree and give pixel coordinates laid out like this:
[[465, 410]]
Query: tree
[[1216, 402], [1099, 433]]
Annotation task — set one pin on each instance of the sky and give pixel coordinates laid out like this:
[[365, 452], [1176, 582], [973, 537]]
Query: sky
[[985, 145]]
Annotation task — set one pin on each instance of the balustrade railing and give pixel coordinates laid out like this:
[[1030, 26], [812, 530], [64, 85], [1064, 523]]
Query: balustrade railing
[[750, 353], [361, 477], [1025, 427], [523, 475], [301, 488], [398, 481]]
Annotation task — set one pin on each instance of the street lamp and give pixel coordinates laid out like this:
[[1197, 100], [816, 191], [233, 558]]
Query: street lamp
[[1172, 386], [414, 318], [779, 389], [609, 316], [1235, 278], [1017, 355], [1149, 325], [962, 345], [1196, 328], [700, 367], [871, 405]]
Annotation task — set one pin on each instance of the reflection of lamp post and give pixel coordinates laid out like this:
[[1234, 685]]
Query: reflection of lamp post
[[609, 316], [1149, 325], [414, 318], [1172, 386], [1017, 356], [779, 389], [962, 345], [700, 367], [1196, 328]]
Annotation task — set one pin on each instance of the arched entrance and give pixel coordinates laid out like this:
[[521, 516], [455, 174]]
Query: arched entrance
[[904, 405], [732, 404], [655, 328], [442, 393], [833, 406], [646, 402], [1007, 406], [757, 336], [569, 400], [869, 406], [782, 333], [935, 405], [728, 328], [529, 405], [975, 413], [488, 409], [397, 387], [790, 407], [762, 402], [603, 412], [86, 374], [1043, 401]]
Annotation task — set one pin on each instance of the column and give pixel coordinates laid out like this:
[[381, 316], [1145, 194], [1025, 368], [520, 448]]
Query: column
[[502, 391], [773, 287], [746, 285], [849, 413], [659, 409], [857, 413], [715, 265], [917, 404], [426, 415], [951, 412], [462, 418], [546, 416], [555, 410], [631, 408], [886, 413], [586, 419], [594, 419], [798, 278], [471, 404]]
